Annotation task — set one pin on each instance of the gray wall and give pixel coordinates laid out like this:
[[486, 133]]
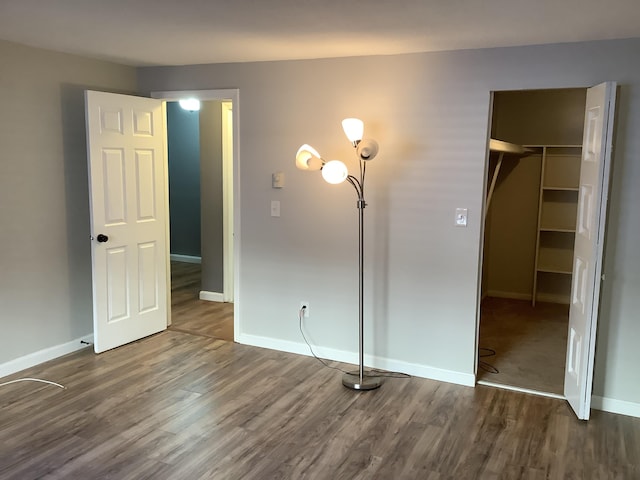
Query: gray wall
[[45, 257], [430, 113], [211, 188], [183, 145]]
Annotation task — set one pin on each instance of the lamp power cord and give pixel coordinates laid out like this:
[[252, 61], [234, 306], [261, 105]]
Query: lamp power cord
[[26, 379], [486, 366], [370, 373]]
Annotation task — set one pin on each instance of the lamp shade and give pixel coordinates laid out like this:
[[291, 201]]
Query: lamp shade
[[367, 149], [334, 172], [308, 158], [353, 129]]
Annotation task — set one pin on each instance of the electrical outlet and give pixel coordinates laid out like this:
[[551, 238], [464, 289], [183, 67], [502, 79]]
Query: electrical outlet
[[305, 305]]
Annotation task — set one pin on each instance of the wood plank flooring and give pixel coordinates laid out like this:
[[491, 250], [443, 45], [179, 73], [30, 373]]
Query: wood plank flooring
[[189, 314], [183, 406], [530, 343]]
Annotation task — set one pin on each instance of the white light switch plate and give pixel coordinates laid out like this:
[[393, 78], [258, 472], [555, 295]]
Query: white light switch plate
[[275, 208], [461, 217]]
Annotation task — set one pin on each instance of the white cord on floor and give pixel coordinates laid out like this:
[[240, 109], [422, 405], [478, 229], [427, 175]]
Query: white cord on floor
[[32, 380]]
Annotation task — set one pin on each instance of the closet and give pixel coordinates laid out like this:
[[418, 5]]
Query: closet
[[532, 181], [530, 222]]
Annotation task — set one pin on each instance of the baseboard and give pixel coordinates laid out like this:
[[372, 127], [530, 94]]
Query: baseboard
[[521, 389], [211, 296], [41, 356], [510, 295], [423, 371], [612, 405], [175, 257], [553, 298]]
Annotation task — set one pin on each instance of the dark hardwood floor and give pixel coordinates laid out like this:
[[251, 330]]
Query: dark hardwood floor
[[180, 405], [189, 314]]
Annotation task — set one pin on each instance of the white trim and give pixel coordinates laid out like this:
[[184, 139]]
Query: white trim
[[423, 371], [540, 297], [41, 356], [611, 405], [211, 94], [521, 390], [511, 295], [176, 257], [553, 298], [227, 200], [167, 224], [211, 296]]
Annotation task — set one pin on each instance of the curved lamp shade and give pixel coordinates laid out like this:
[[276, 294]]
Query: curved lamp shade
[[334, 172], [367, 149], [308, 158], [353, 129]]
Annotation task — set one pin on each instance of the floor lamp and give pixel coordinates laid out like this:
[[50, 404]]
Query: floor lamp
[[334, 171]]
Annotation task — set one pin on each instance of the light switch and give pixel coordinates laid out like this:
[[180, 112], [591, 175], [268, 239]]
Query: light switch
[[275, 208], [461, 217], [277, 180]]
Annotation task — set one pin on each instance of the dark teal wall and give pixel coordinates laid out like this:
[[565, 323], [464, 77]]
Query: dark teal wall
[[183, 139]]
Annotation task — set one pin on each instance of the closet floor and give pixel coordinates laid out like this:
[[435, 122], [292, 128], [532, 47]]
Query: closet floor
[[530, 344]]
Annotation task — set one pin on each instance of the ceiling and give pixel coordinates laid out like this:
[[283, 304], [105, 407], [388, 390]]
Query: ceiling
[[182, 32]]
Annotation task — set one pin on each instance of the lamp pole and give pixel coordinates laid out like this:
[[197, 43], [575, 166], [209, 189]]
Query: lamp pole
[[360, 380]]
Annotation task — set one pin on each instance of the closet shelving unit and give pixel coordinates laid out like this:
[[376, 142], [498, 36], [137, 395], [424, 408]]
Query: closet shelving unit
[[557, 212]]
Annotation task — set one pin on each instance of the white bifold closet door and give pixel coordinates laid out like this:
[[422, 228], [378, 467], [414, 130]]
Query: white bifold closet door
[[588, 249]]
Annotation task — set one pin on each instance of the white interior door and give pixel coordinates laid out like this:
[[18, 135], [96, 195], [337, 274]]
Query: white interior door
[[127, 184], [587, 262]]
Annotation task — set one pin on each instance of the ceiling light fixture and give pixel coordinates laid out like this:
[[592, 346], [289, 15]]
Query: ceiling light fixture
[[190, 104]]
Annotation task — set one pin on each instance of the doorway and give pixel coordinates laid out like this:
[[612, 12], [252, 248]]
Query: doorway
[[529, 236], [218, 169], [197, 138]]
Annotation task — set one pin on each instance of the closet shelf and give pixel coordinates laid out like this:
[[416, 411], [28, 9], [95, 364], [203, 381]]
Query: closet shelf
[[567, 229], [553, 270]]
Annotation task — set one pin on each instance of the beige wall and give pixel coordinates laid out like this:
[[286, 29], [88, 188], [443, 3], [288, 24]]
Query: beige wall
[[540, 117], [45, 259]]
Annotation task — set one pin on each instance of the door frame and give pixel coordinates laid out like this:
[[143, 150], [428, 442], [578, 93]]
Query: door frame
[[231, 203], [482, 234], [227, 201]]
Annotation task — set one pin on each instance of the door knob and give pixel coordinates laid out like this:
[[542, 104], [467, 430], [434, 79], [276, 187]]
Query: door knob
[[102, 238]]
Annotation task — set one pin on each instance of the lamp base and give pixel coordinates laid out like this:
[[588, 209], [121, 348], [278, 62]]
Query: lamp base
[[352, 381]]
